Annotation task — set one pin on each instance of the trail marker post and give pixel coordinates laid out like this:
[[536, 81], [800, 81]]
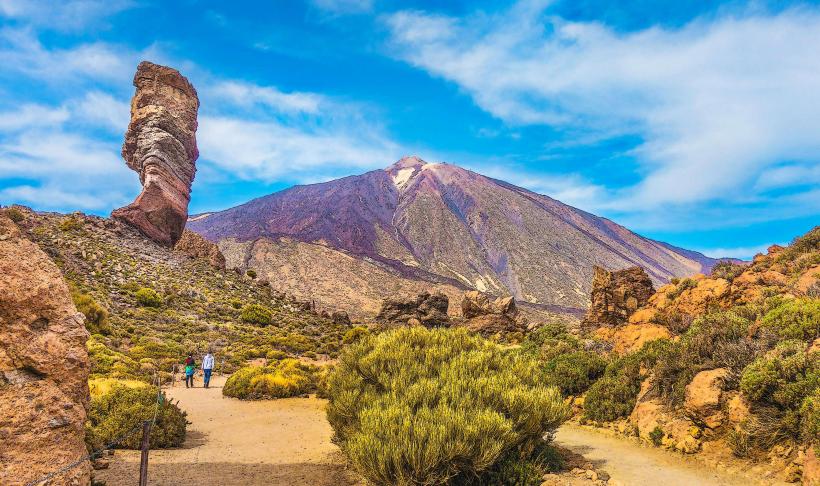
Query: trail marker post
[[146, 440]]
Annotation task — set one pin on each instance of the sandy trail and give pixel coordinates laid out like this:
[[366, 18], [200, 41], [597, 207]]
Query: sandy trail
[[634, 464], [234, 442]]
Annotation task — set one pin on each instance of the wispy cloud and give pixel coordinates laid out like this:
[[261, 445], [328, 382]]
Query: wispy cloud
[[63, 15], [248, 95], [717, 102], [338, 7]]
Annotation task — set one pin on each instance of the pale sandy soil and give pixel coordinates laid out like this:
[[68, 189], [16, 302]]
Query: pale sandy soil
[[635, 464], [234, 442]]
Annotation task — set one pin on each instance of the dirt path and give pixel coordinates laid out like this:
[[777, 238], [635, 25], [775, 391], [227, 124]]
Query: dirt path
[[634, 464], [233, 442]]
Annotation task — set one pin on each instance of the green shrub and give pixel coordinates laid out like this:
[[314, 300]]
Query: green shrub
[[251, 273], [96, 316], [810, 417], [614, 395], [15, 214], [123, 408], [235, 303], [147, 297], [283, 379], [256, 314], [355, 334], [727, 270], [70, 223], [783, 380], [419, 406], [795, 319], [718, 339], [656, 436], [611, 398], [575, 372], [682, 286]]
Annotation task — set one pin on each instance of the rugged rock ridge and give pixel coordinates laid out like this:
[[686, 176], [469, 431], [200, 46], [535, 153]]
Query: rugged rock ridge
[[490, 317], [160, 145], [425, 309], [43, 367], [195, 246], [616, 295]]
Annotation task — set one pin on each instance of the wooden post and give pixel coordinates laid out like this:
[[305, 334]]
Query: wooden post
[[146, 440]]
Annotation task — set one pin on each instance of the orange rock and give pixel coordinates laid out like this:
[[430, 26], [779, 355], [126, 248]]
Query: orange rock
[[703, 397], [632, 336], [43, 367]]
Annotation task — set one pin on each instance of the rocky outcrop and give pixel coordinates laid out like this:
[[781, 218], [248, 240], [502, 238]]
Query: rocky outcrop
[[43, 367], [490, 317], [703, 400], [161, 146], [195, 246], [429, 310], [616, 295], [341, 318]]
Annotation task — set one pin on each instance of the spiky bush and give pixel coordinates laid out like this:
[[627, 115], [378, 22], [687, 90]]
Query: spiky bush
[[575, 372], [148, 297], [417, 406], [124, 407], [727, 270], [795, 319], [96, 316], [282, 379], [256, 314], [782, 381]]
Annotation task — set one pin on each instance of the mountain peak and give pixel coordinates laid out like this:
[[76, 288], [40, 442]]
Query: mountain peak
[[407, 162]]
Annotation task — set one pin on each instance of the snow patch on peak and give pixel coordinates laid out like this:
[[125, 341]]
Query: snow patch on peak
[[402, 176]]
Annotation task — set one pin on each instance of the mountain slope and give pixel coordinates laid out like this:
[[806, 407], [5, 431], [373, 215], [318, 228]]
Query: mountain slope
[[442, 223]]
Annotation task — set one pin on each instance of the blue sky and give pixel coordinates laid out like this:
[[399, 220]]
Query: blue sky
[[693, 122]]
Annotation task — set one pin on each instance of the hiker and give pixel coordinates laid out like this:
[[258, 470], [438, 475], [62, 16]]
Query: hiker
[[190, 367], [207, 367]]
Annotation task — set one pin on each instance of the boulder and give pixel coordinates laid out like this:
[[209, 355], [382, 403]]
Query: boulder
[[43, 367], [429, 310], [340, 318], [489, 317], [616, 295], [195, 246], [703, 397], [160, 145]]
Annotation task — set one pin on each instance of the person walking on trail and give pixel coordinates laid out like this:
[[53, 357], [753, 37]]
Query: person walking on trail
[[190, 367], [207, 367]]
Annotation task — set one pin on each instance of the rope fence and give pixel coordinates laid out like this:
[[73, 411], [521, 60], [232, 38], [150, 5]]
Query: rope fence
[[97, 453]]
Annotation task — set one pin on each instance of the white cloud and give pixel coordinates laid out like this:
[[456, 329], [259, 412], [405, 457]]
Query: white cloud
[[32, 115], [270, 150], [64, 15], [22, 52], [102, 109], [247, 95], [716, 102], [73, 169], [742, 252]]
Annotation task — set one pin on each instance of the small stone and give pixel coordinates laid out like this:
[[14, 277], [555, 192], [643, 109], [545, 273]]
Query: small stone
[[591, 475], [98, 464]]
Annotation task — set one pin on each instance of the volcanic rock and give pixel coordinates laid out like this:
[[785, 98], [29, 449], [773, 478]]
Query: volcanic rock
[[195, 246], [43, 367], [161, 146], [616, 295], [429, 310], [490, 317], [703, 397]]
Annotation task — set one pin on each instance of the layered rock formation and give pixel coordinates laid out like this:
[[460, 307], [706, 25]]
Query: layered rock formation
[[616, 295], [429, 310], [161, 146], [195, 246], [490, 317], [43, 367]]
